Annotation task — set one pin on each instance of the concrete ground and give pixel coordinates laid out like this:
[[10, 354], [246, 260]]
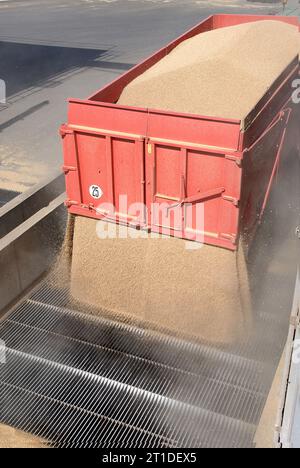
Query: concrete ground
[[51, 50]]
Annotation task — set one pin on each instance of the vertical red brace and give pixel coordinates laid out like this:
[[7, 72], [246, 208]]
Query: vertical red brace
[[140, 157], [153, 159], [110, 170], [151, 164], [183, 172], [183, 184], [75, 146], [71, 166]]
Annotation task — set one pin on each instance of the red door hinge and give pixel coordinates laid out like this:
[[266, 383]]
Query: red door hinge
[[65, 130], [67, 169], [69, 203]]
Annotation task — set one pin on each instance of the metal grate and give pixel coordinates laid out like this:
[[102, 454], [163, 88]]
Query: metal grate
[[81, 381]]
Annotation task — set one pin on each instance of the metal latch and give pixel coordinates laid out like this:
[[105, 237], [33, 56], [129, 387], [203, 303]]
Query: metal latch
[[198, 197], [233, 200], [238, 160]]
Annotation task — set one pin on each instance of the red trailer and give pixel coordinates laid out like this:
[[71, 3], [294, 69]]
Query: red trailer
[[160, 157]]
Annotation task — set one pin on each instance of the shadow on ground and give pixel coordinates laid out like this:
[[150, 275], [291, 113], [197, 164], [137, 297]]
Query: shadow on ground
[[25, 66]]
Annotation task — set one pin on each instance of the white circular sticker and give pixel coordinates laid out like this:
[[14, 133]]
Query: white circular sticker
[[95, 192]]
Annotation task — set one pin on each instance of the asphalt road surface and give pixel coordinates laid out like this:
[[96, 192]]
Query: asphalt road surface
[[51, 50]]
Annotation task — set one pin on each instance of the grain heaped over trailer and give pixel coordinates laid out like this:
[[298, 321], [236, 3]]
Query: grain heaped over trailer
[[187, 126]]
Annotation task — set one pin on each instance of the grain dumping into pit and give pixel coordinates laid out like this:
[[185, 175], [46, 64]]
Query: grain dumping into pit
[[158, 282]]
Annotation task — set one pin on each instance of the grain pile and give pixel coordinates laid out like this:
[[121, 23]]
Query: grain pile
[[194, 293], [13, 438], [220, 73]]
